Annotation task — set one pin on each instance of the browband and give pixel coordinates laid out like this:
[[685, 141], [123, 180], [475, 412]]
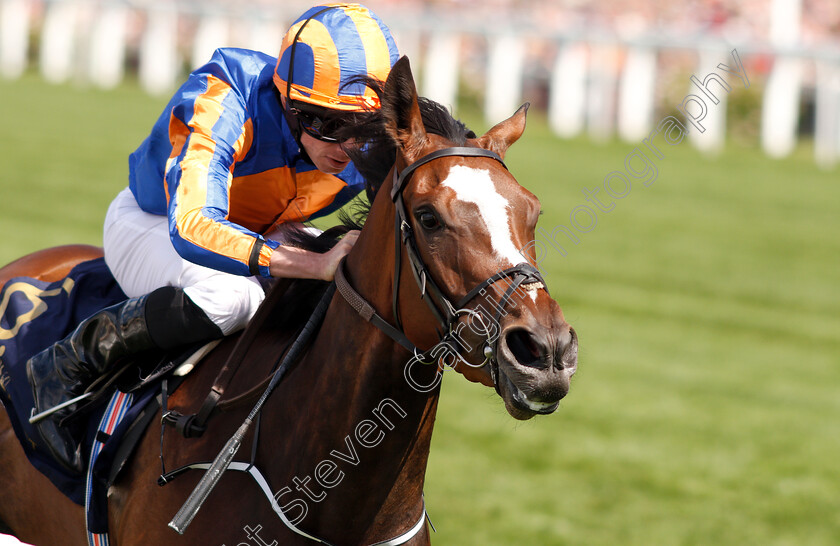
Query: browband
[[456, 151]]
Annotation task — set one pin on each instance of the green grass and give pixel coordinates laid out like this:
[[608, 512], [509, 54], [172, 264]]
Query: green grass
[[706, 408], [63, 158]]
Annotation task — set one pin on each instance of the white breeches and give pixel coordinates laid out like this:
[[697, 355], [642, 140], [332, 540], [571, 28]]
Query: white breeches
[[141, 257]]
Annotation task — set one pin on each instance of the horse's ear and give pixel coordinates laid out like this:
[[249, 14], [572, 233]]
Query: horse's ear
[[401, 112], [502, 135]]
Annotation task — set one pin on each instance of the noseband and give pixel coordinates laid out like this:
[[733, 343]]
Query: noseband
[[442, 308]]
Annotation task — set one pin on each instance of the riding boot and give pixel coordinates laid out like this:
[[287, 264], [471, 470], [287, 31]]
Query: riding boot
[[164, 319]]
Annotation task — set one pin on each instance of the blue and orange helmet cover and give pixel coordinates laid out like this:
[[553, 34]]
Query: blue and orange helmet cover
[[335, 46]]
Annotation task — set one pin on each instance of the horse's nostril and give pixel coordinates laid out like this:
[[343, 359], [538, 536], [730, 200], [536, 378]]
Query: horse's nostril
[[569, 349], [525, 349]]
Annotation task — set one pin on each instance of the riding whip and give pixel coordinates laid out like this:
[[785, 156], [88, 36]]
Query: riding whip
[[193, 503]]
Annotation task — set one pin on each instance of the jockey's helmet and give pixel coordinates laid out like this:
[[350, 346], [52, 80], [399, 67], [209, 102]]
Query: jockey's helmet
[[326, 51]]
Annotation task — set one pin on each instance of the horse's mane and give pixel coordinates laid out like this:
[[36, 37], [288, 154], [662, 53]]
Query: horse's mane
[[375, 151], [373, 155]]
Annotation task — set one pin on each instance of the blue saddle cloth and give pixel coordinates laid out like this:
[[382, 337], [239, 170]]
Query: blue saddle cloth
[[34, 315]]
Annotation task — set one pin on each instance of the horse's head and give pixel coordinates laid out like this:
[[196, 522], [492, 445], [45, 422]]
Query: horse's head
[[466, 224]]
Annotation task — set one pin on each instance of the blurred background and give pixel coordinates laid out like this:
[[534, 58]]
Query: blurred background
[[603, 68], [706, 409]]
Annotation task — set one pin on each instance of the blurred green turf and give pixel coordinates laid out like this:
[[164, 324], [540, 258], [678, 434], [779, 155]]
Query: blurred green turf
[[706, 407]]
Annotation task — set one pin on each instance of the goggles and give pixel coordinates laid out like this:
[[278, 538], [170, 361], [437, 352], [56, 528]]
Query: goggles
[[319, 123]]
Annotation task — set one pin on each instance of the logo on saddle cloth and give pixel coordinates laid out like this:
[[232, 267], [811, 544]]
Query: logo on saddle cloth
[[35, 297]]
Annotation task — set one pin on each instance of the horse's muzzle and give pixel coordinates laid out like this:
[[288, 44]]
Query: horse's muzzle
[[536, 365]]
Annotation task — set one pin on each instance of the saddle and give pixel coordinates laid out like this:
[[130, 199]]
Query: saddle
[[35, 313]]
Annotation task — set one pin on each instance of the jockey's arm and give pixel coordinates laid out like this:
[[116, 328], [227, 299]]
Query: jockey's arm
[[209, 135], [210, 132], [291, 262]]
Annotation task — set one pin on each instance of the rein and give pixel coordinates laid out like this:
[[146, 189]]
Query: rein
[[442, 308], [194, 425], [224, 460]]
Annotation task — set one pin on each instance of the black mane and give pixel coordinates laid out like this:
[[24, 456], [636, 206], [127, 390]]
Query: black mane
[[375, 152]]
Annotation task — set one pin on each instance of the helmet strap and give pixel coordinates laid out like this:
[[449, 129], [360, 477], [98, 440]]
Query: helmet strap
[[294, 126], [291, 118]]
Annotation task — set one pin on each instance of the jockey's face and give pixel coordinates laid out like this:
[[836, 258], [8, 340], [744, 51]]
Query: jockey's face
[[328, 157]]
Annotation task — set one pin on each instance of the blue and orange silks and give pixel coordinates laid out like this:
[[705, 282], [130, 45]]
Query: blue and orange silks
[[333, 44], [222, 164]]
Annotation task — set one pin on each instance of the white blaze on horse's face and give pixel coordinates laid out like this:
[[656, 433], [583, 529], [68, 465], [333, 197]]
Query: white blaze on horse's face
[[475, 186]]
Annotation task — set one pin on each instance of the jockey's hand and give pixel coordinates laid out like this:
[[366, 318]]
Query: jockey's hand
[[334, 255], [296, 263]]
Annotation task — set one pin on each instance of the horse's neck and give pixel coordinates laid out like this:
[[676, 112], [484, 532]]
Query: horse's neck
[[354, 435]]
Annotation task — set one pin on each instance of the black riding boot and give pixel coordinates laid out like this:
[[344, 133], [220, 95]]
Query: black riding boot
[[164, 319]]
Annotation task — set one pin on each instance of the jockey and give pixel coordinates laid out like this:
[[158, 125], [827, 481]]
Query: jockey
[[243, 147]]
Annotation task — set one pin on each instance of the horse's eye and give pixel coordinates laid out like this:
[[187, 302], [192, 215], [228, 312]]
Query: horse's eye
[[427, 219]]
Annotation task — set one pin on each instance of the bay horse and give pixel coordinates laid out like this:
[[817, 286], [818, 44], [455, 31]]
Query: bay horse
[[344, 439]]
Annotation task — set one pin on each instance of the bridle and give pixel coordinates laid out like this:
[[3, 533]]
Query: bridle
[[446, 313]]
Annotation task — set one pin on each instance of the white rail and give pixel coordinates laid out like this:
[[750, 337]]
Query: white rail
[[594, 82]]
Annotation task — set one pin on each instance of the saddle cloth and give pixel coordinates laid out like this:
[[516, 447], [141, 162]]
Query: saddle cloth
[[33, 315]]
